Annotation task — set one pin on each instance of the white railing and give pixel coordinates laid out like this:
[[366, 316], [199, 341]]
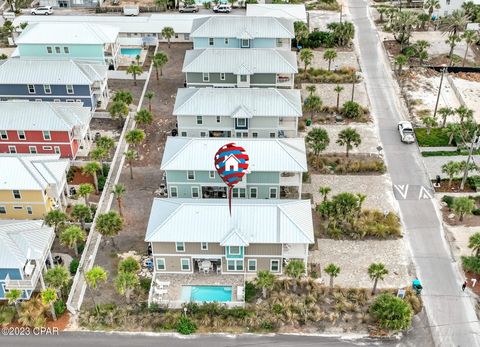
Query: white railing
[[293, 180]]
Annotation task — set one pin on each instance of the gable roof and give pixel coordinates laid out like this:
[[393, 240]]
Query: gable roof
[[209, 220], [48, 116], [23, 240], [267, 102], [68, 33], [31, 172], [265, 155], [240, 61], [53, 72], [294, 12], [242, 27]]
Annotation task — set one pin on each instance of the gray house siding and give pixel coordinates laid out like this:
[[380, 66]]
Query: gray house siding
[[257, 80], [214, 78], [263, 78]]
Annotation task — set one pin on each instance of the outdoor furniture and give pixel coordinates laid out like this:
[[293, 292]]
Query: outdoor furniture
[[167, 283], [162, 291]]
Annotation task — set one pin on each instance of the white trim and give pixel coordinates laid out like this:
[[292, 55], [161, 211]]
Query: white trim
[[29, 91], [207, 75], [270, 193], [201, 246], [49, 88], [19, 194], [176, 247], [198, 192], [199, 120], [170, 191], [203, 255], [279, 265], [14, 149], [189, 264], [188, 175], [235, 265], [24, 135], [49, 135], [250, 192], [32, 149], [164, 264], [222, 76], [48, 96], [3, 132], [210, 174], [231, 253], [248, 265], [73, 90]]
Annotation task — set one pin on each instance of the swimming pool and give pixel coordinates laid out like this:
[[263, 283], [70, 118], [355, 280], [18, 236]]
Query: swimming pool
[[130, 51], [207, 293]]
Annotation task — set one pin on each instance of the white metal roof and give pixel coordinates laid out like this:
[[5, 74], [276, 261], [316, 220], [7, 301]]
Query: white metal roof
[[79, 33], [265, 155], [48, 116], [267, 102], [242, 27], [293, 12], [53, 72], [209, 220], [153, 23], [31, 172], [23, 240], [238, 60]]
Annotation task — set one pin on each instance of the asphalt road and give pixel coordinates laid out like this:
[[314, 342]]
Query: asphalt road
[[450, 312]]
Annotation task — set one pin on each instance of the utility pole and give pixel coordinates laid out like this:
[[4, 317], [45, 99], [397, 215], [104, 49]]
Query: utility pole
[[341, 13], [439, 92], [353, 83], [470, 152]]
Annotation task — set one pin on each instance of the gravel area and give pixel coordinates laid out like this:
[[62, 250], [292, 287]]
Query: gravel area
[[329, 97], [343, 59], [434, 164], [377, 188], [470, 93], [354, 258]]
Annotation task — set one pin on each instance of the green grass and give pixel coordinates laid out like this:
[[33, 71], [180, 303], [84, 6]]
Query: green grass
[[448, 153], [438, 137]]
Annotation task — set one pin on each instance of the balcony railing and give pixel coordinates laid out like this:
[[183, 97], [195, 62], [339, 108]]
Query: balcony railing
[[25, 284], [290, 179]]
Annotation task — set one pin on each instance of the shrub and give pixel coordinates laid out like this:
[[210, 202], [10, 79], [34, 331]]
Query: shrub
[[59, 307], [145, 284], [129, 264], [73, 267], [448, 200], [267, 325], [352, 110], [7, 313], [438, 137], [474, 182], [471, 264], [185, 326], [101, 182], [319, 39], [71, 173], [391, 312], [476, 212], [277, 308], [251, 292]]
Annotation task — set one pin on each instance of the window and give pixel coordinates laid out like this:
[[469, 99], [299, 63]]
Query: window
[[211, 174], [245, 43], [206, 77], [38, 100], [252, 265], [243, 78], [222, 76], [187, 36], [12, 149], [160, 264], [57, 149], [17, 207], [185, 262], [56, 100], [254, 135], [66, 50], [57, 50], [204, 246], [21, 135], [47, 148], [253, 193], [239, 192], [235, 265], [203, 134], [176, 35], [47, 89], [273, 193], [241, 122], [3, 135], [190, 175], [3, 210], [199, 120], [274, 265], [47, 135], [195, 192], [234, 250], [218, 119], [16, 194], [29, 210], [32, 149], [70, 100], [226, 41], [210, 41], [69, 89], [184, 133], [272, 135], [31, 89], [173, 192], [49, 50], [180, 246]]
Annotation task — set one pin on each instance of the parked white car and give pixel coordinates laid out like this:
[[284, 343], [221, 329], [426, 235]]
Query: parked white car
[[223, 8], [407, 135], [45, 10]]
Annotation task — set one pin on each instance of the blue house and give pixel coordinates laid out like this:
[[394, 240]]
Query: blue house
[[242, 32], [54, 81], [24, 249]]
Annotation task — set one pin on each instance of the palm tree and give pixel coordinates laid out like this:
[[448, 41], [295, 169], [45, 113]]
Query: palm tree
[[452, 40], [324, 191], [55, 218], [105, 142], [135, 137], [118, 190], [84, 190], [400, 60], [333, 271], [454, 23], [444, 113], [109, 225], [91, 169], [129, 264], [301, 31], [71, 236], [93, 278], [125, 283], [344, 32], [144, 117], [330, 55], [32, 313], [100, 154], [451, 169], [134, 70], [470, 37], [118, 110], [57, 277], [463, 205], [168, 33], [13, 296], [422, 56], [431, 5], [265, 280], [149, 95], [349, 137], [295, 269], [306, 55], [377, 271], [464, 113], [381, 11], [311, 89], [423, 19], [430, 123], [338, 89], [474, 243], [123, 96], [81, 212], [159, 61], [49, 296], [130, 156], [318, 140]]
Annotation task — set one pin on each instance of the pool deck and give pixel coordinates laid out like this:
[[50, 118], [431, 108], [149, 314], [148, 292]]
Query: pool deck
[[173, 295], [126, 60]]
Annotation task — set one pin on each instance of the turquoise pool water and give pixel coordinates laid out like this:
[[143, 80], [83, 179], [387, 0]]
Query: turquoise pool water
[[130, 51], [207, 293]]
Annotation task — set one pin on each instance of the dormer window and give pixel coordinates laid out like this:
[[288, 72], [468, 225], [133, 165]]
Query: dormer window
[[241, 122], [245, 43], [210, 41]]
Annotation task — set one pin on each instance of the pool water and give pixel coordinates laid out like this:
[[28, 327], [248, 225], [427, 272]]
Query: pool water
[[130, 51], [207, 293]]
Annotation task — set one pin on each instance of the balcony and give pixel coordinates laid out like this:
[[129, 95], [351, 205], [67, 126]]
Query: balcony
[[284, 81], [294, 250], [290, 179], [31, 273]]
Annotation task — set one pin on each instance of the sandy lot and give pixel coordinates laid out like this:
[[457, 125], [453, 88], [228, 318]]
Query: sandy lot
[[329, 97]]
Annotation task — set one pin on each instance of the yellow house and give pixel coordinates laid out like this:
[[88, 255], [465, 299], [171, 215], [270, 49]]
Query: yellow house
[[31, 185]]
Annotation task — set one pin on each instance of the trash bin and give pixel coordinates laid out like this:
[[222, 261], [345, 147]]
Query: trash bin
[[308, 122]]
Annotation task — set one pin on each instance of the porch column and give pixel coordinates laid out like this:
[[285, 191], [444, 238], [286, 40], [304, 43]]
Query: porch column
[[42, 282], [50, 258], [63, 198], [300, 174], [296, 126]]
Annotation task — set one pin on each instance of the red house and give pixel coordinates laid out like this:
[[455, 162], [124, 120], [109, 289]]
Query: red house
[[44, 127]]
